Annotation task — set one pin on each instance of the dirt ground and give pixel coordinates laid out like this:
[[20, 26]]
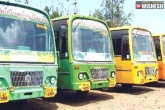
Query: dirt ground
[[139, 98]]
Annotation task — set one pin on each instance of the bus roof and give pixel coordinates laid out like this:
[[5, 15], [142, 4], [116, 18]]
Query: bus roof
[[14, 3], [127, 27], [158, 34], [77, 16]]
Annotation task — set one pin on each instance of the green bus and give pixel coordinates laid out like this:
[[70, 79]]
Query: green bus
[[28, 64], [85, 54]]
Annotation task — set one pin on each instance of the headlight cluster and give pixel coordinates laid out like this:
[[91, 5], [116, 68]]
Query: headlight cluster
[[156, 72], [138, 73], [52, 80], [82, 75], [113, 74]]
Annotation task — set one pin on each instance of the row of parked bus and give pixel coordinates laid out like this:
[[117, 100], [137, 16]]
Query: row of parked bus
[[39, 56]]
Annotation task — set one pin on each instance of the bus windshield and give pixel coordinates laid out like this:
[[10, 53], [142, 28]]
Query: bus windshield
[[25, 36], [163, 42], [143, 48], [90, 41]]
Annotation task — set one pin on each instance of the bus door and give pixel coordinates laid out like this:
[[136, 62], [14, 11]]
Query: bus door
[[122, 55], [126, 59], [60, 28]]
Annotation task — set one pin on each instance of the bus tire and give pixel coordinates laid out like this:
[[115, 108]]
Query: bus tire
[[82, 93], [152, 83], [126, 86], [107, 89]]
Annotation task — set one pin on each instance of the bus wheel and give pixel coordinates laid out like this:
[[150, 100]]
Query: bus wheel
[[107, 89], [126, 86], [82, 93], [152, 83]]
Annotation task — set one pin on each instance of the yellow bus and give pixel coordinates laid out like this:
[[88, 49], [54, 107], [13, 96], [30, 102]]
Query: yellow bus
[[159, 40], [135, 56]]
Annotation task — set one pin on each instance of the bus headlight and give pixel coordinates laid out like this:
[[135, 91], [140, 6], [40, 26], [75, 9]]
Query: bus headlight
[[80, 76], [156, 72], [52, 80], [113, 74], [138, 73]]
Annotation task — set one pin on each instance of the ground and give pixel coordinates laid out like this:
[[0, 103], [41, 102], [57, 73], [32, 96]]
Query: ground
[[148, 97]]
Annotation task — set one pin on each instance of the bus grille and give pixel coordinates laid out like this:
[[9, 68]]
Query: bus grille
[[150, 70], [26, 78], [99, 73]]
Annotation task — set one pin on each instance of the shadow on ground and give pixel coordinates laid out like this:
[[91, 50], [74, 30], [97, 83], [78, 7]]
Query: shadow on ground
[[160, 84], [135, 90], [33, 104], [72, 99]]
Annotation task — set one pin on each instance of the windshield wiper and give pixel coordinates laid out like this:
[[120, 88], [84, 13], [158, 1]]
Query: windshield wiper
[[78, 24], [135, 34]]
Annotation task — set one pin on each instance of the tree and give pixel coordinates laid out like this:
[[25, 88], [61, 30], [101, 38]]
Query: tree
[[47, 9], [54, 14], [112, 12]]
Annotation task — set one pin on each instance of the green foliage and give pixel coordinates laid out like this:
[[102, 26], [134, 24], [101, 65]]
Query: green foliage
[[112, 12], [54, 14]]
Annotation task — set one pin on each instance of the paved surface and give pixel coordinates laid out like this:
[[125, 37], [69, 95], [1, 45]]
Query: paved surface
[[139, 98]]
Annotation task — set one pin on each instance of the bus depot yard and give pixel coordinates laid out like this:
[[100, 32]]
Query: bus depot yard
[[81, 54], [146, 97]]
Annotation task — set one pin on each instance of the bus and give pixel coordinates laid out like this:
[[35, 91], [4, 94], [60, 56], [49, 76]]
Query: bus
[[85, 54], [28, 64], [135, 56], [159, 40]]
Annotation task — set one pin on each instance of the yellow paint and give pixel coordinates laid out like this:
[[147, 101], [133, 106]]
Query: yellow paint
[[85, 86], [42, 26], [50, 92], [45, 58], [4, 96], [42, 57], [126, 70], [103, 33], [112, 83]]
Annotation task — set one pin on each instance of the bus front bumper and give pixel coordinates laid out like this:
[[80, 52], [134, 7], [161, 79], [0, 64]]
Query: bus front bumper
[[20, 94], [150, 79], [144, 80], [89, 85]]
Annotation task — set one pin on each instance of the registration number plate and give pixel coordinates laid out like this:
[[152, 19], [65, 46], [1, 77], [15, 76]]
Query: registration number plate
[[85, 86], [4, 97], [49, 92], [112, 83]]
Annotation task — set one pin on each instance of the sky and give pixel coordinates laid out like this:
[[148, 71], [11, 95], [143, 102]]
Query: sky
[[151, 19]]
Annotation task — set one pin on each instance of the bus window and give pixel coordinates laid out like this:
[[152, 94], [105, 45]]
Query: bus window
[[117, 46], [157, 48], [63, 41], [63, 46], [61, 37], [117, 40]]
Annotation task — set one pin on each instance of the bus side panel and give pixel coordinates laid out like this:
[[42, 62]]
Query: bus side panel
[[127, 74], [119, 78], [123, 70], [161, 70]]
